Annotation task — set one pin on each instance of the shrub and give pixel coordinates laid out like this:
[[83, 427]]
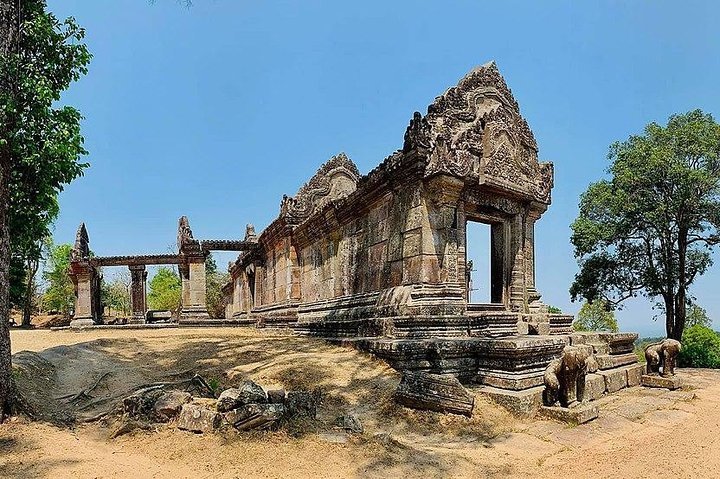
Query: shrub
[[701, 348]]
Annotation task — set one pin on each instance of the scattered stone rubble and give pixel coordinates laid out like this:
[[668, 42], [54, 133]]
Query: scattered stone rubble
[[245, 407]]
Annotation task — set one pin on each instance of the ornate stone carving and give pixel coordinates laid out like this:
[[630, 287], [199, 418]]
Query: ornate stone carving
[[335, 180], [661, 357], [187, 244], [475, 130], [565, 377], [81, 249]]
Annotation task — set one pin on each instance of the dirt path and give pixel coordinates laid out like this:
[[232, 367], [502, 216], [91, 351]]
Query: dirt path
[[640, 433]]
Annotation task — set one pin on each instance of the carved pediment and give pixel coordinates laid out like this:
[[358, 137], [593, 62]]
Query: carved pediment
[[475, 130], [336, 179]]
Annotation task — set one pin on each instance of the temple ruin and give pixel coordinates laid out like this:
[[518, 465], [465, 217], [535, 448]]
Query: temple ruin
[[379, 260]]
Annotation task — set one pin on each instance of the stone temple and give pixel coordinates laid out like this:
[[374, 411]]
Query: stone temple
[[379, 260]]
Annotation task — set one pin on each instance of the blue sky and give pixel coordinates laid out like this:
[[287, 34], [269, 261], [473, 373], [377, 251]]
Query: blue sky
[[216, 111]]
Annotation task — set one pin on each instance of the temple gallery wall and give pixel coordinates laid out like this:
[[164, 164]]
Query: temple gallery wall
[[379, 260]]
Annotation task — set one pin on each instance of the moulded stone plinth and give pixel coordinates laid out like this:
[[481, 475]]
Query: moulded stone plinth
[[670, 382], [579, 414], [615, 360], [81, 322], [521, 403]]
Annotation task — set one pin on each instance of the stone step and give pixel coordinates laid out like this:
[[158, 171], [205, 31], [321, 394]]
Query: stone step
[[610, 361]]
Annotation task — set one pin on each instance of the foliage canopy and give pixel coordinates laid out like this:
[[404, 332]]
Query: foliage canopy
[[649, 228]]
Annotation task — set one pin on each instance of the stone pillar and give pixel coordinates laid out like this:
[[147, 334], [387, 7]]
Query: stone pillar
[[83, 281], [516, 243], [138, 299], [194, 306]]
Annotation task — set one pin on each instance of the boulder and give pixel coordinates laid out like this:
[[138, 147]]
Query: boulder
[[350, 423], [301, 404], [198, 418], [254, 416], [170, 403], [247, 393]]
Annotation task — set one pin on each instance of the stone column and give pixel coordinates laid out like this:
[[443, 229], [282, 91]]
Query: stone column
[[194, 306], [138, 277], [82, 277], [516, 243]]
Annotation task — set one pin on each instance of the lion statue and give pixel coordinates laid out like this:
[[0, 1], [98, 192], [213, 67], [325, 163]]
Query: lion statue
[[565, 377], [661, 357]]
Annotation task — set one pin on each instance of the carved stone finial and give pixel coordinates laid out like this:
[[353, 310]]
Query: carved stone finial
[[187, 244], [81, 249], [565, 377], [250, 234], [661, 357]]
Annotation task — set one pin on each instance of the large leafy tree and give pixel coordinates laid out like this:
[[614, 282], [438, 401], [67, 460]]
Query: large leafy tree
[[40, 141], [649, 228], [60, 293], [165, 290], [215, 281], [596, 316]]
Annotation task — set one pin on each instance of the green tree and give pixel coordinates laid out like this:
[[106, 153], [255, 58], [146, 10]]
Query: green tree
[[697, 315], [40, 140], [215, 281], [60, 293], [554, 310], [701, 348], [116, 293], [165, 290], [596, 316], [648, 229]]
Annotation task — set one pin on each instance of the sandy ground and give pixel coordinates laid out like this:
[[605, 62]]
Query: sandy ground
[[641, 432]]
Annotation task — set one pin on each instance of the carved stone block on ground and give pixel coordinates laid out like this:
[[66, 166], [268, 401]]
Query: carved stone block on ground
[[198, 418], [652, 381], [574, 415], [170, 404], [247, 393], [434, 392], [635, 374], [615, 379], [594, 387], [254, 416]]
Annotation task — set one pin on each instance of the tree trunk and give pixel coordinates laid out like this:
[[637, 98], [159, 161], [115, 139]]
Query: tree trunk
[[681, 296], [669, 315], [9, 20], [32, 267]]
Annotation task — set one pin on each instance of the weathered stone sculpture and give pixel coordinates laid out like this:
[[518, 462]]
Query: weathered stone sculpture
[[661, 357], [565, 376]]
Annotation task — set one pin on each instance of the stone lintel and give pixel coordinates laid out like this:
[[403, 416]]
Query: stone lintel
[[653, 381], [578, 414]]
